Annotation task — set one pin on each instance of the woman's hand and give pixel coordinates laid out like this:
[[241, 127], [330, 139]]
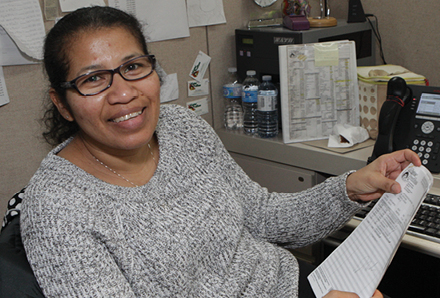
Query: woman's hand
[[339, 294], [370, 182]]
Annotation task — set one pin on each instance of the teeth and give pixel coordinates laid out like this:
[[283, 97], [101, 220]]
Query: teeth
[[127, 117]]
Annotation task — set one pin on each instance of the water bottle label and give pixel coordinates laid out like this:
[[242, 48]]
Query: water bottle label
[[250, 96], [267, 101], [232, 91]]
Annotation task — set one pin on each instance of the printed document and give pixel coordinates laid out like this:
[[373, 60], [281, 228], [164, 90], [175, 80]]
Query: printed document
[[319, 89], [360, 262]]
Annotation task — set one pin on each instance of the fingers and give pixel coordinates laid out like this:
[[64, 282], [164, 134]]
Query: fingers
[[377, 294], [401, 157], [339, 294], [412, 157], [372, 181], [385, 184]]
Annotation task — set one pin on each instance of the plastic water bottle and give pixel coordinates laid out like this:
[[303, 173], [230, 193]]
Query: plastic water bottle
[[233, 116], [249, 100], [267, 110]]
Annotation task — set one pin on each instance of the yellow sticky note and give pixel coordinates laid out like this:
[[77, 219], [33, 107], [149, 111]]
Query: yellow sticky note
[[326, 54]]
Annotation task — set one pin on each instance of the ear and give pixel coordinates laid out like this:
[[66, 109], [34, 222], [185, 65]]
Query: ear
[[61, 106]]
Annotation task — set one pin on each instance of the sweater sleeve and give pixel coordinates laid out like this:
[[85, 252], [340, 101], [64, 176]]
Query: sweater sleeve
[[297, 219], [294, 219], [67, 259]]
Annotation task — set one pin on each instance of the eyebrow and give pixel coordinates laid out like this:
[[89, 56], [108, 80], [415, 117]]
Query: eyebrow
[[94, 67]]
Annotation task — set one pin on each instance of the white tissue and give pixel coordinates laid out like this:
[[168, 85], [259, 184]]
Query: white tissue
[[345, 135]]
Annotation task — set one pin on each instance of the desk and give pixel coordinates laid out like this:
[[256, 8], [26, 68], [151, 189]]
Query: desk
[[318, 160]]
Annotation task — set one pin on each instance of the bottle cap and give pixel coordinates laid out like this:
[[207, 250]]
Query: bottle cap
[[267, 78], [251, 72], [232, 69]]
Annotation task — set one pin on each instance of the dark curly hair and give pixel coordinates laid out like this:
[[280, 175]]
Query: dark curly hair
[[56, 62]]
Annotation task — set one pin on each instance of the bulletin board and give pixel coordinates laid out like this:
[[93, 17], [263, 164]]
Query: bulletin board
[[319, 89]]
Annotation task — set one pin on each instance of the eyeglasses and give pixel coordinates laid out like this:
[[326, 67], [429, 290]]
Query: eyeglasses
[[96, 82]]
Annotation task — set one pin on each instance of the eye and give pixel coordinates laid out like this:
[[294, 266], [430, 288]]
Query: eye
[[92, 79], [134, 68]]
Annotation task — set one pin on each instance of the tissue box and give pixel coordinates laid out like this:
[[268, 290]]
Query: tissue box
[[372, 83]]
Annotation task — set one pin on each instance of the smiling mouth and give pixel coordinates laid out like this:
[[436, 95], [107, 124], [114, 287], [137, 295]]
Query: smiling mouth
[[126, 117]]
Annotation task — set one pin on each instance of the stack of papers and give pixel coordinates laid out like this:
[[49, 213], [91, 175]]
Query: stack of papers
[[359, 263], [383, 73]]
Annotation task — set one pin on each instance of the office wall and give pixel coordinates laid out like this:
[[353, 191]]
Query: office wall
[[409, 33], [21, 145]]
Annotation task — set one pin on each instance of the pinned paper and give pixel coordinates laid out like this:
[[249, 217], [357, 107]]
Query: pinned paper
[[10, 54], [200, 106], [23, 21], [169, 90], [198, 88], [4, 98], [326, 54], [205, 12], [51, 9], [71, 5], [161, 20], [200, 66]]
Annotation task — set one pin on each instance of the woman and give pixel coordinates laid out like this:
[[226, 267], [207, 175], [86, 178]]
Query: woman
[[143, 200]]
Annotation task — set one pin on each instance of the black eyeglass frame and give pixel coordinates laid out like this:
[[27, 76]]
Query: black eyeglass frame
[[72, 84]]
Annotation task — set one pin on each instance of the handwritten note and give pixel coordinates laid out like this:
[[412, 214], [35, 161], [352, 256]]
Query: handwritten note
[[23, 21], [360, 262]]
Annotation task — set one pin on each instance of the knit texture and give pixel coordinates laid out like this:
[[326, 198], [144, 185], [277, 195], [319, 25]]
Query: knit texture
[[199, 228]]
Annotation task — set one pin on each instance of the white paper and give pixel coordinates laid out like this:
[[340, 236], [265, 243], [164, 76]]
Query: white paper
[[162, 20], [71, 5], [360, 262], [345, 135], [9, 53], [23, 21], [199, 106], [169, 90], [196, 88], [4, 98], [205, 12], [200, 66], [51, 8], [316, 98]]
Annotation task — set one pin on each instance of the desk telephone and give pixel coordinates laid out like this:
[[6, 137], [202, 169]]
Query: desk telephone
[[410, 118]]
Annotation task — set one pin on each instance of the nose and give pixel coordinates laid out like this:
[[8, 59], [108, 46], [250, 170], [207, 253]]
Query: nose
[[121, 91]]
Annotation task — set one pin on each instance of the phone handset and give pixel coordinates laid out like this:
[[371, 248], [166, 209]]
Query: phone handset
[[398, 94]]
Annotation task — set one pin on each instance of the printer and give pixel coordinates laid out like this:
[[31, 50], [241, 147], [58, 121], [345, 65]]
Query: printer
[[257, 48]]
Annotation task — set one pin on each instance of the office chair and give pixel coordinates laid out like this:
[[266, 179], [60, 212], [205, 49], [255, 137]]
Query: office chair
[[17, 279]]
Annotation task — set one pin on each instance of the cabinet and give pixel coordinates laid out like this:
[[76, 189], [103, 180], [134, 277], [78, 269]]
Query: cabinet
[[277, 177]]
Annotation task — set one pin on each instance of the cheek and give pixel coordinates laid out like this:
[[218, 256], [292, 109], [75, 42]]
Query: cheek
[[151, 88], [84, 110]]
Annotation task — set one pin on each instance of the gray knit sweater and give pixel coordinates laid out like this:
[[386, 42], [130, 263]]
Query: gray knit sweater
[[199, 228]]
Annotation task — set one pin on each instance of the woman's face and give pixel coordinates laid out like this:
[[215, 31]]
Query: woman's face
[[125, 115]]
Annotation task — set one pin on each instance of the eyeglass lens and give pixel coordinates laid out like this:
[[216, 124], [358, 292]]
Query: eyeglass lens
[[100, 80]]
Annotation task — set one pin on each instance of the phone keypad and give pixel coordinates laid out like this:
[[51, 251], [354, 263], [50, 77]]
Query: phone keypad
[[425, 149]]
